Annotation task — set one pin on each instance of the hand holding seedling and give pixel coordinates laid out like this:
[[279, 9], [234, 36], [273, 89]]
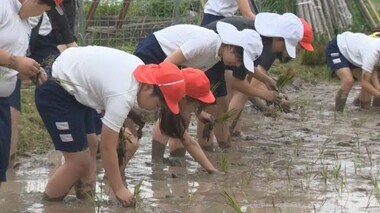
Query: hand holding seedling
[[40, 78], [273, 96], [24, 65], [271, 84]]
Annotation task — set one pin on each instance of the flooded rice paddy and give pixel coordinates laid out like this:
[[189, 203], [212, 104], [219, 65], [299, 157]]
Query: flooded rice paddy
[[310, 160]]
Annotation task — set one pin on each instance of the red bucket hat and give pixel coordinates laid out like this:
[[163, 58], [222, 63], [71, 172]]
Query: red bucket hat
[[168, 77], [58, 7], [308, 36], [198, 85]]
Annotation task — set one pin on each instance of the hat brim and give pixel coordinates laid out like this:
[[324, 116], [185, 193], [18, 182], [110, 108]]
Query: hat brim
[[172, 104], [59, 9], [145, 74], [307, 46], [248, 62], [290, 48], [209, 98]]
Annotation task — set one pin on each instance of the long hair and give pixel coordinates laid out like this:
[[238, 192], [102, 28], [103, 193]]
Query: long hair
[[170, 124]]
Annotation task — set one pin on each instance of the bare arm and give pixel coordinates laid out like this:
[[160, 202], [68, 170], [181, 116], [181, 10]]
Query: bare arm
[[243, 86], [260, 74], [375, 80], [245, 9], [24, 65], [366, 84], [176, 58], [108, 145], [197, 153]]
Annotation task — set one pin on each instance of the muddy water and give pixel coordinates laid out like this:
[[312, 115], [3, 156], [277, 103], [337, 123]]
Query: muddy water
[[310, 160]]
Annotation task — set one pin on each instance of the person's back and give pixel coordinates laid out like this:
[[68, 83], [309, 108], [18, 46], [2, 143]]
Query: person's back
[[92, 75], [359, 49]]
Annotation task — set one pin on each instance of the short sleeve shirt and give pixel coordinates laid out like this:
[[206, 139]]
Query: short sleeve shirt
[[360, 49], [200, 46], [14, 39], [226, 8], [100, 78], [266, 58]]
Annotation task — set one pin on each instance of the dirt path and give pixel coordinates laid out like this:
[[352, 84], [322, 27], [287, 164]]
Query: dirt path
[[310, 160]]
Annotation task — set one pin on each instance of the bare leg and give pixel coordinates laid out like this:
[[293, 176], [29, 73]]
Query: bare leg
[[159, 142], [15, 117], [76, 165], [132, 144], [175, 145], [347, 81], [86, 185]]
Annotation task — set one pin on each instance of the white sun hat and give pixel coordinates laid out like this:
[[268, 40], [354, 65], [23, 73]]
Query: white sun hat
[[287, 26], [248, 39]]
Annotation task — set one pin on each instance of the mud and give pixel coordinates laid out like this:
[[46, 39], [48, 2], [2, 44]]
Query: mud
[[310, 160]]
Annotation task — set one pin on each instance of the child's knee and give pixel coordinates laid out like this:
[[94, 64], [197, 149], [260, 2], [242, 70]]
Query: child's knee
[[347, 85]]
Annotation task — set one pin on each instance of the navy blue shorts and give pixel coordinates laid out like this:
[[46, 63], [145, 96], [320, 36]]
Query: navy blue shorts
[[5, 137], [335, 59], [150, 51], [15, 98], [98, 123], [208, 18], [217, 81], [67, 121]]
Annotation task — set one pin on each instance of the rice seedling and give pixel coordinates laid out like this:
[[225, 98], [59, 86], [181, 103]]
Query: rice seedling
[[369, 154], [223, 118], [298, 142], [232, 202], [336, 170], [136, 196], [97, 200], [325, 173], [224, 162], [246, 179], [375, 183], [285, 78], [356, 164], [190, 193]]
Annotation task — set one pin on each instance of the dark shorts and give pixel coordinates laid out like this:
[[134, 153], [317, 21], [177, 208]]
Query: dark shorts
[[5, 137], [150, 51], [67, 121], [335, 59], [217, 81], [98, 123], [15, 97], [208, 18]]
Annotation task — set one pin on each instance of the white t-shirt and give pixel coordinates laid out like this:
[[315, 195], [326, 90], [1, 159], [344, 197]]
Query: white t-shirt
[[226, 8], [45, 27], [100, 78], [14, 38], [199, 45], [359, 49]]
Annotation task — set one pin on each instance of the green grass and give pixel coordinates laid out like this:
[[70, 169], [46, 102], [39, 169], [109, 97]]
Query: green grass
[[33, 135]]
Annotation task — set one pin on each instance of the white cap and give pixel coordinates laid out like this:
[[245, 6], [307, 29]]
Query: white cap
[[287, 26], [248, 39]]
